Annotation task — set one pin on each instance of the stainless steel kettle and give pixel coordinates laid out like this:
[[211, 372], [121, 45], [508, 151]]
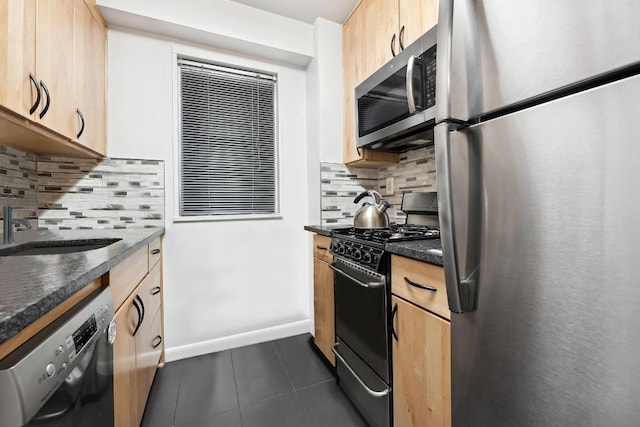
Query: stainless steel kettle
[[371, 215]]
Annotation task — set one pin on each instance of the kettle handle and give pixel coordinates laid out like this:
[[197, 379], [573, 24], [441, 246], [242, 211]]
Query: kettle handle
[[374, 195], [360, 196]]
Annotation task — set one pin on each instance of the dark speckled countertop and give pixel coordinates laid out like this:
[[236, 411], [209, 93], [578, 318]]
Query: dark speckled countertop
[[422, 250], [323, 230], [32, 285]]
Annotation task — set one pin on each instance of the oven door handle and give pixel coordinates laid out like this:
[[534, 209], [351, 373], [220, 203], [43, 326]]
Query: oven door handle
[[366, 387], [359, 282]]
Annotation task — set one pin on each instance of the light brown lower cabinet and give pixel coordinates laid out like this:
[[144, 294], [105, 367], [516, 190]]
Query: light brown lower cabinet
[[324, 335], [421, 367], [138, 346]]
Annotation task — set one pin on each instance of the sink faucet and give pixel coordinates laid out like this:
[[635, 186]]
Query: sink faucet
[[7, 224]]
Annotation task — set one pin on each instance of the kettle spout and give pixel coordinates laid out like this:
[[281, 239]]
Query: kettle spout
[[383, 206]]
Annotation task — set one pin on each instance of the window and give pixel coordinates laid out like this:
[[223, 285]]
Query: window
[[228, 151]]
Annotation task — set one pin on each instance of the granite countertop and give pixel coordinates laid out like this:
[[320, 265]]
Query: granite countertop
[[32, 285], [422, 250], [323, 230]]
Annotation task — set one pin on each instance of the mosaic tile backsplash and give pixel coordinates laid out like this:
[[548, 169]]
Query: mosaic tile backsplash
[[76, 193], [339, 184], [100, 193], [18, 183]]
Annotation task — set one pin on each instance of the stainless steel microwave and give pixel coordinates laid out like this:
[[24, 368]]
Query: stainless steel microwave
[[395, 107]]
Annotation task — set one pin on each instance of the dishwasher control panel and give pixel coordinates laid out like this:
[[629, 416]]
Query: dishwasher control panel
[[36, 369]]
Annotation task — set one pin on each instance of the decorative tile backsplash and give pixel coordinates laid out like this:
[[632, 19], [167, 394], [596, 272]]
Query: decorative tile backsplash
[[70, 193], [18, 183], [339, 184], [100, 193]]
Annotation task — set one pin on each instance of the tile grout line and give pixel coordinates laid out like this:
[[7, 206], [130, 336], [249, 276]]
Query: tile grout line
[[293, 387], [175, 406], [235, 380], [304, 410]]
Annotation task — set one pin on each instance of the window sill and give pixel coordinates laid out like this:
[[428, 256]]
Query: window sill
[[211, 218]]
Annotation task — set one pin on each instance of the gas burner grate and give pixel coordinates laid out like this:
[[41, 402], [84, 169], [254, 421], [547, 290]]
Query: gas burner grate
[[396, 233]]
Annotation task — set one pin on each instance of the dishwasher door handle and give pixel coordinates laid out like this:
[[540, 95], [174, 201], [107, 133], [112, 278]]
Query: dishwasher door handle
[[373, 285], [366, 387]]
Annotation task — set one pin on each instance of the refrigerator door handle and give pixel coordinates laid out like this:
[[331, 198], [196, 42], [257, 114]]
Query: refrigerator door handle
[[443, 60], [460, 293]]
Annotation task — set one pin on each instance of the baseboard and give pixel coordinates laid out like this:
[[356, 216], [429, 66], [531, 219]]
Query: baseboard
[[239, 340]]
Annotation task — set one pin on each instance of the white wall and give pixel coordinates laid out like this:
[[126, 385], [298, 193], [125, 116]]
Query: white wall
[[217, 23], [226, 283]]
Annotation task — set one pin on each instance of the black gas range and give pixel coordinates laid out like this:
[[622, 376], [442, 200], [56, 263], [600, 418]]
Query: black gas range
[[363, 314], [366, 246]]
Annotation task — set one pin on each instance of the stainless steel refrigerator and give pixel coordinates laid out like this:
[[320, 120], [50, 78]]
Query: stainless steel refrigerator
[[538, 167]]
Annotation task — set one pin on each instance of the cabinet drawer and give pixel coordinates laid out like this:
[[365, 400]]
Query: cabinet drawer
[[151, 291], [124, 277], [155, 252], [321, 246], [407, 275]]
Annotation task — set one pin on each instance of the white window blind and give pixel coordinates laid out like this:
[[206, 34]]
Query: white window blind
[[228, 156]]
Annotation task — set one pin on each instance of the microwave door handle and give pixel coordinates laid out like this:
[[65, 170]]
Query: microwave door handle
[[410, 100]]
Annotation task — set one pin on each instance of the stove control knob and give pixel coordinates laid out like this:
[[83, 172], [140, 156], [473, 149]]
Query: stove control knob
[[366, 257], [349, 251], [357, 254], [341, 249]]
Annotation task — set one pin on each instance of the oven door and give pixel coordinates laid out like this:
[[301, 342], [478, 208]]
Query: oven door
[[361, 314]]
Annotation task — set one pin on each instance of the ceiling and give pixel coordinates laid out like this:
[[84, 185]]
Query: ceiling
[[306, 10]]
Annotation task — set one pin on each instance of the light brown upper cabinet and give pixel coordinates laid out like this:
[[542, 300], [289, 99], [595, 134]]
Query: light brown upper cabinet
[[355, 61], [17, 55], [52, 71], [54, 64], [416, 17], [90, 67], [371, 36]]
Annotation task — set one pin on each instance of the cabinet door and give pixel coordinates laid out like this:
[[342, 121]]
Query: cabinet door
[[90, 79], [324, 336], [124, 366], [148, 348], [54, 63], [379, 26], [416, 16], [17, 54], [352, 72], [421, 367]]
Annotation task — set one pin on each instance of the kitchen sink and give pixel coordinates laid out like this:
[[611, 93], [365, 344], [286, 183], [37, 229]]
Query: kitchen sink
[[54, 247]]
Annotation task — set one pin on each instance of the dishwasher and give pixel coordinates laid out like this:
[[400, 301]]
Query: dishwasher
[[63, 376]]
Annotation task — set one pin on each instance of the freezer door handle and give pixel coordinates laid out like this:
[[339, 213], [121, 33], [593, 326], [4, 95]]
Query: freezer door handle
[[443, 60], [460, 293]]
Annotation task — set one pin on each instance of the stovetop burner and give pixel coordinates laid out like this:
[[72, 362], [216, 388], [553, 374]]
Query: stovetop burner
[[396, 233], [365, 247]]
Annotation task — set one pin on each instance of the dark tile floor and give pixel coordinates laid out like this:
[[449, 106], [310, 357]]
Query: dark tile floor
[[280, 383]]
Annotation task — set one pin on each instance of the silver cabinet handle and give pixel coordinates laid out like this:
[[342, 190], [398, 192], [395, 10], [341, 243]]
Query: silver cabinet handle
[[419, 286], [371, 392], [409, 83], [359, 282]]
